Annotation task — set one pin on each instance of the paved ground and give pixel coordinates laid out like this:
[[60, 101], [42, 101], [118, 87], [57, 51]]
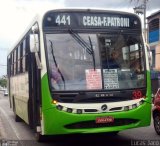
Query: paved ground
[[21, 133]]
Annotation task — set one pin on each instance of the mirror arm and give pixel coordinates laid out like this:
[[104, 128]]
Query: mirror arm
[[39, 64]]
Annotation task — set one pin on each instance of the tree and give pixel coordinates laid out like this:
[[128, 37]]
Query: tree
[[3, 82]]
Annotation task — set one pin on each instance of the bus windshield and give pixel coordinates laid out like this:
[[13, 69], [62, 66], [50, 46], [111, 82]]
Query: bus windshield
[[95, 61]]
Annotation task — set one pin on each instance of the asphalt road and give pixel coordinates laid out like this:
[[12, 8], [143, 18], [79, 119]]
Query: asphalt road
[[19, 134]]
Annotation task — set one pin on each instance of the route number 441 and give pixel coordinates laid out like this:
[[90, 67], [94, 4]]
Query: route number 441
[[63, 20]]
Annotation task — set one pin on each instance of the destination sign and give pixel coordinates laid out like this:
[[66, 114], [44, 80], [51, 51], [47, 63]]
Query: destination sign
[[105, 21], [94, 21], [90, 20]]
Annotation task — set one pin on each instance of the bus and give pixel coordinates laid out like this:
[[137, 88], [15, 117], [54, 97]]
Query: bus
[[62, 79]]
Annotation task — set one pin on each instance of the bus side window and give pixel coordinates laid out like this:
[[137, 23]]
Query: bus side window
[[15, 61], [11, 63], [23, 56], [9, 59], [27, 52], [18, 59]]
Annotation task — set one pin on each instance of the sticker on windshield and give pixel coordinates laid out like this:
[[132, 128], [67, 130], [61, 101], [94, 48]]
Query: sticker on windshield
[[110, 79], [93, 79]]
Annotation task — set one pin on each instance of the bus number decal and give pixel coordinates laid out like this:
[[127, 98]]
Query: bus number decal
[[63, 20], [137, 94]]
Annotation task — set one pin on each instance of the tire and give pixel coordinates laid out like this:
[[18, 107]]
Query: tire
[[39, 137], [156, 119], [114, 133], [110, 134], [17, 118]]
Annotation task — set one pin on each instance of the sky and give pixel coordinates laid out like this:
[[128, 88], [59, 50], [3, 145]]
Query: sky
[[15, 15]]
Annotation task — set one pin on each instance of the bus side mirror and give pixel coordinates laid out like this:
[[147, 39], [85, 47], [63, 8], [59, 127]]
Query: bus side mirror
[[34, 48], [34, 43]]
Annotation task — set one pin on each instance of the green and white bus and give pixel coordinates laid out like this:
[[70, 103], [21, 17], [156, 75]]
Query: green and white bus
[[62, 79]]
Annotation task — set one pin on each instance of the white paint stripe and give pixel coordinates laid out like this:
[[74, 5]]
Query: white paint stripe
[[97, 106], [12, 125]]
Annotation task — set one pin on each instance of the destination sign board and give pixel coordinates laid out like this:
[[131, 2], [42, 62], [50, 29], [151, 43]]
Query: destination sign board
[[90, 20]]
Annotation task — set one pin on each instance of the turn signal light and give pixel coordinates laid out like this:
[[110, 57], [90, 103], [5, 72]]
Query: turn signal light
[[54, 101]]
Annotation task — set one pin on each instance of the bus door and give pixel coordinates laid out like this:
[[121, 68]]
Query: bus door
[[34, 86]]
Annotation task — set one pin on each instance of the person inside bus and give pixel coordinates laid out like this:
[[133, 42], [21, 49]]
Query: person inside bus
[[113, 61], [136, 67], [56, 79]]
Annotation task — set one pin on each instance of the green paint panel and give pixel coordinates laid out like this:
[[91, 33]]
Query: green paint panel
[[46, 96], [54, 121]]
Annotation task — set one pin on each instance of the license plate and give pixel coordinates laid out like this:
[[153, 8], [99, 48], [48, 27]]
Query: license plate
[[108, 119]]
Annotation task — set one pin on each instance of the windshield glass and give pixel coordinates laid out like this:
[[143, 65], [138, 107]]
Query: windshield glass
[[95, 61]]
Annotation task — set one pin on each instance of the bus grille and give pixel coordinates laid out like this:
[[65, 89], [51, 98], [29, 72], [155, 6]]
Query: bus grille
[[92, 124]]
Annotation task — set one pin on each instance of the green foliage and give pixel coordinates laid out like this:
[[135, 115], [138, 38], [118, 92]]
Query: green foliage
[[3, 82]]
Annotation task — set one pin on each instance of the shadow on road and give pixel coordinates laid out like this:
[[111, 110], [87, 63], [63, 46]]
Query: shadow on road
[[80, 140], [88, 139]]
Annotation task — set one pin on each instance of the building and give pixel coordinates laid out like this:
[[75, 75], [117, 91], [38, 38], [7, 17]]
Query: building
[[154, 38], [154, 43]]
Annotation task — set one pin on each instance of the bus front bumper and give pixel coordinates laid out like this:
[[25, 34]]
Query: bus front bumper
[[57, 122]]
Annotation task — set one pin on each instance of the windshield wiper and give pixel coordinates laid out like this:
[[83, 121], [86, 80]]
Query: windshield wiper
[[93, 54], [84, 44], [54, 59]]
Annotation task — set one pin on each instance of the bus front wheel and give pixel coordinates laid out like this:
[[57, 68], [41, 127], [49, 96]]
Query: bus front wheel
[[39, 137], [17, 118]]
